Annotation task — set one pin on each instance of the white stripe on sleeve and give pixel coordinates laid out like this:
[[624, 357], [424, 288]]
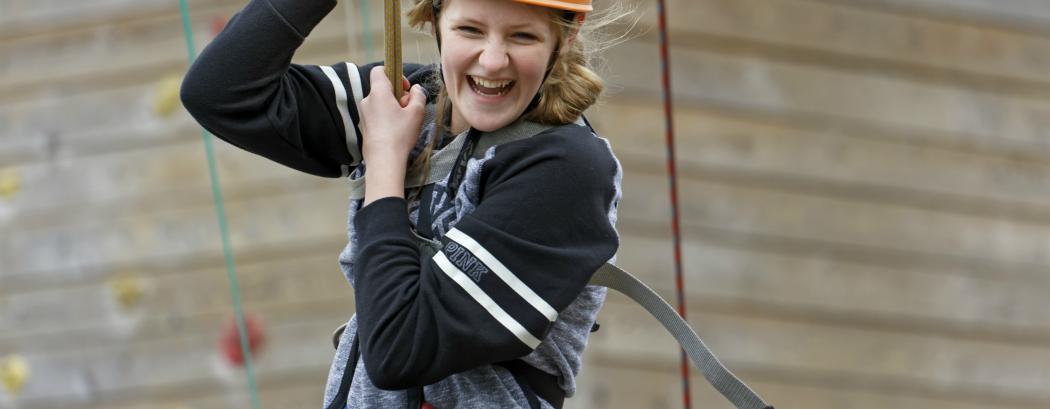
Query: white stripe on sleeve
[[486, 302], [355, 83], [344, 113], [504, 273]]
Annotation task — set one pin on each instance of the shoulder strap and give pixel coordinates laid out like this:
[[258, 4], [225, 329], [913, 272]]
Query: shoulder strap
[[724, 381], [444, 160], [339, 401], [535, 383]]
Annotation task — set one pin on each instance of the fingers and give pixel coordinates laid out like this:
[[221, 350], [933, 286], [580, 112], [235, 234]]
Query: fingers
[[415, 96], [380, 83]]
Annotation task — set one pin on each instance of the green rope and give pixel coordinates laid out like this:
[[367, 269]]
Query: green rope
[[365, 39], [220, 211], [366, 29]]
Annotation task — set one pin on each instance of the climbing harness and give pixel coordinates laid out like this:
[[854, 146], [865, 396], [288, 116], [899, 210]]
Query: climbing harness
[[452, 161]]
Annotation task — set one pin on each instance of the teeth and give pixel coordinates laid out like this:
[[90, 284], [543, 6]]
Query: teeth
[[489, 84]]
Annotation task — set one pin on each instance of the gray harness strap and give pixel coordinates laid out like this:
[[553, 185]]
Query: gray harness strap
[[443, 160], [724, 381]]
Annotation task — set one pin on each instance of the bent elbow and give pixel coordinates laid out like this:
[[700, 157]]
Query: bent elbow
[[391, 376], [400, 365], [193, 94]]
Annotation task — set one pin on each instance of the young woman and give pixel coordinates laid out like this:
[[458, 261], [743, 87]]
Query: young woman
[[487, 201]]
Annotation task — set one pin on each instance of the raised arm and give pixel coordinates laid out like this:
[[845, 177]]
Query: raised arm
[[244, 89]]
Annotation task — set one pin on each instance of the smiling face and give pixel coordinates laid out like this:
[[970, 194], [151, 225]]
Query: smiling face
[[494, 54]]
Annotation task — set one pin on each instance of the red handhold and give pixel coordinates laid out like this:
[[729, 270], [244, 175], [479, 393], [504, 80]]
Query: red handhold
[[217, 24], [426, 406], [230, 342]]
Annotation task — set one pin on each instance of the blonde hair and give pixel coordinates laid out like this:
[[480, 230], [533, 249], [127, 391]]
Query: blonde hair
[[571, 87]]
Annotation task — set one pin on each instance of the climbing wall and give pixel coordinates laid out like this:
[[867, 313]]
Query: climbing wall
[[864, 197]]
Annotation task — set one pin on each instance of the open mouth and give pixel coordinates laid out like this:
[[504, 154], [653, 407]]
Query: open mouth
[[488, 87]]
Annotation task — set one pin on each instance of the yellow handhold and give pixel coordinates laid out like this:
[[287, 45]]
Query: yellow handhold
[[14, 371], [127, 290], [166, 100], [9, 182]]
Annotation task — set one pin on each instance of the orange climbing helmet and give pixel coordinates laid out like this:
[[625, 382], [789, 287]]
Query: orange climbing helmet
[[579, 6], [570, 6]]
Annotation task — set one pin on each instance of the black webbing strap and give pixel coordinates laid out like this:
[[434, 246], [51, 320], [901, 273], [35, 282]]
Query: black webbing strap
[[423, 221], [339, 402], [460, 169], [534, 382], [415, 397]]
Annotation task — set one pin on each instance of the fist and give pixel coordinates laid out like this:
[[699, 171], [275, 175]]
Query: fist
[[390, 126]]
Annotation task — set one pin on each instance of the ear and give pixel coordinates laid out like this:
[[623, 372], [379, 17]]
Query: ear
[[571, 38]]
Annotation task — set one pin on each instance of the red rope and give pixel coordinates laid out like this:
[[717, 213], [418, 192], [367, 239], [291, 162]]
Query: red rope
[[665, 68]]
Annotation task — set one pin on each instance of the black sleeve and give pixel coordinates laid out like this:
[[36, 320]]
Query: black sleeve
[[244, 89], [505, 272]]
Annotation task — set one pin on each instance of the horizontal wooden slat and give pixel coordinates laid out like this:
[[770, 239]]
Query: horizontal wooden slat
[[1017, 246], [970, 370], [303, 390], [881, 169], [144, 179], [895, 108], [20, 19], [605, 383], [88, 250], [904, 42], [820, 287], [1022, 15], [90, 315], [173, 365], [31, 131], [58, 126], [135, 51]]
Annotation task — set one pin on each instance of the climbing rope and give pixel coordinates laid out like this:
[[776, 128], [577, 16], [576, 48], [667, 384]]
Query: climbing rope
[[220, 212], [392, 38], [665, 70], [364, 42]]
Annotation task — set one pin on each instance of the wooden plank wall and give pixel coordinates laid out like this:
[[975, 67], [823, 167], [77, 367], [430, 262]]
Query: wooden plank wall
[[864, 196]]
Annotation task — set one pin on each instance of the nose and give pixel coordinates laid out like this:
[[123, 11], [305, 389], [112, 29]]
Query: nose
[[494, 56]]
